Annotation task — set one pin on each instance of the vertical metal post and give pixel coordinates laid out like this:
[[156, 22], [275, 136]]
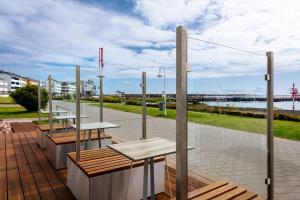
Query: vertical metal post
[[144, 95], [165, 94], [270, 93], [181, 116], [145, 181], [39, 100], [50, 105], [101, 97], [77, 113]]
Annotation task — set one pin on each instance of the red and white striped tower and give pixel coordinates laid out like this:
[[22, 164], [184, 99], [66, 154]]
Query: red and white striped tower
[[294, 93]]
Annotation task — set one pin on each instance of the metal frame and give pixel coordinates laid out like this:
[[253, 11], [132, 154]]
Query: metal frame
[[77, 113], [50, 116], [270, 117], [164, 94], [181, 116], [144, 98], [39, 100]]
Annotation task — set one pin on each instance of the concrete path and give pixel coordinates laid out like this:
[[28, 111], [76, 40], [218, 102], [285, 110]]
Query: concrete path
[[219, 153]]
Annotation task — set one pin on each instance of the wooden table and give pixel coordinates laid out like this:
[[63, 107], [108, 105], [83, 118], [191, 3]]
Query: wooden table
[[56, 112], [99, 126], [67, 117], [146, 150]]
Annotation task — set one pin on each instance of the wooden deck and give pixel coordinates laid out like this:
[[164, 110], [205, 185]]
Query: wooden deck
[[26, 173]]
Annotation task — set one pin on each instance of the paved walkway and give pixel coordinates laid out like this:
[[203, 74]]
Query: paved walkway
[[219, 153]]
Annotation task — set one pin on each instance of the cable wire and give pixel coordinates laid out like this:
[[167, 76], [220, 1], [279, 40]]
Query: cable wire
[[226, 46]]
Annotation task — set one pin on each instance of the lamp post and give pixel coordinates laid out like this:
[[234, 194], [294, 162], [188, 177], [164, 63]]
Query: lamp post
[[162, 69]]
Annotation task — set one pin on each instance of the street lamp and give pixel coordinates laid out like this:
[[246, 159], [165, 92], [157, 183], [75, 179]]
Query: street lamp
[[162, 74]]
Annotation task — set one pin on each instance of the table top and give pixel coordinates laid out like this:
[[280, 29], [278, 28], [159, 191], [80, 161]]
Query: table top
[[69, 117], [96, 125], [147, 148], [54, 111]]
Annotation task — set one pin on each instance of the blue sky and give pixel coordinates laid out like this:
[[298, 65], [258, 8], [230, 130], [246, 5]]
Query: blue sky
[[41, 37]]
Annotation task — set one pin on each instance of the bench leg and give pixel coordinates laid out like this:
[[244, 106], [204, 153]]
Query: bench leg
[[145, 185], [152, 179], [99, 138]]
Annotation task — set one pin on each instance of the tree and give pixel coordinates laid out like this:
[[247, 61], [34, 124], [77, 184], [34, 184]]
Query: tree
[[28, 97]]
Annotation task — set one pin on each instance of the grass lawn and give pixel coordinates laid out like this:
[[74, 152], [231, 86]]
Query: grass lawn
[[6, 100], [17, 112], [283, 129]]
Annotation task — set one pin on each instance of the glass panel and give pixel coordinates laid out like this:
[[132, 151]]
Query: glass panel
[[286, 127], [227, 117]]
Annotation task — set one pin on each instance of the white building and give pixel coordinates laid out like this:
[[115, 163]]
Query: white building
[[9, 82], [55, 87], [68, 88]]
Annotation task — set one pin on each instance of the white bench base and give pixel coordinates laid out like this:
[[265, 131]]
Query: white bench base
[[57, 154], [113, 186], [42, 137]]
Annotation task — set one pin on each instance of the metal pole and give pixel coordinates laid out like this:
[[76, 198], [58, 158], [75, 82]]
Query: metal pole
[[181, 116], [39, 100], [77, 114], [101, 97], [50, 105], [270, 117], [144, 105], [165, 94]]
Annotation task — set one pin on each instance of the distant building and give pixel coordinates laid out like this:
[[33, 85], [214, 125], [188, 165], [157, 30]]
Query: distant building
[[5, 82], [56, 87], [9, 82], [68, 88], [88, 88]]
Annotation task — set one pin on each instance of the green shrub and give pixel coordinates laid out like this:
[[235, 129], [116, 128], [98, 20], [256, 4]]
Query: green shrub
[[133, 102], [28, 97], [57, 98], [112, 99]]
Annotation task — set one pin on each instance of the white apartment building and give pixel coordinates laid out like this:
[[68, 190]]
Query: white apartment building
[[68, 88], [9, 82]]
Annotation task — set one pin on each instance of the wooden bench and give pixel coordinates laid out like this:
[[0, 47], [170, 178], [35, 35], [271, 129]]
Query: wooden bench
[[60, 144], [105, 174], [45, 129], [222, 190]]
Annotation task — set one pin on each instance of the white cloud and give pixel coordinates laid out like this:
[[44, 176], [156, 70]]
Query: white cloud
[[36, 33], [164, 13], [66, 32]]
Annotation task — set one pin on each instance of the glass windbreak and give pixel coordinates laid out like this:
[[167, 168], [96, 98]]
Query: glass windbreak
[[227, 116], [286, 128]]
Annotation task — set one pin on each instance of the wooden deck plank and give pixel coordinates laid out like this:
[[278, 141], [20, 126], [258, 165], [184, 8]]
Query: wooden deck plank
[[29, 188], [3, 181], [246, 196], [60, 190], [42, 183], [14, 185]]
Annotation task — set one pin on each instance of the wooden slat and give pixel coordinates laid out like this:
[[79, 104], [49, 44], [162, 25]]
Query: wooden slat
[[216, 192], [231, 194], [57, 185], [3, 181], [246, 196], [42, 183], [67, 138], [207, 189], [14, 186], [29, 188], [46, 127]]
